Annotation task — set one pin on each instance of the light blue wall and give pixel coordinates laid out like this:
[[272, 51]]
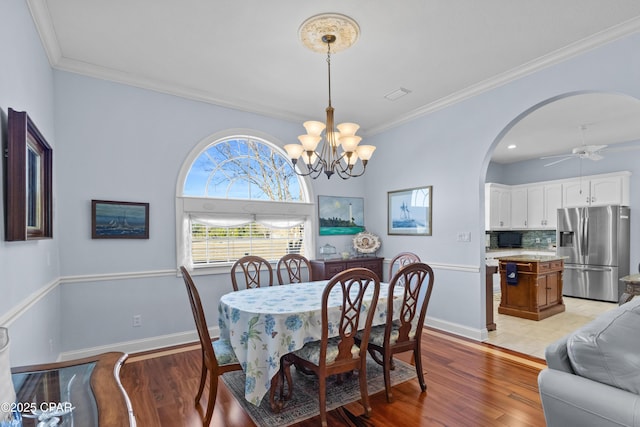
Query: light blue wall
[[450, 149], [26, 84], [122, 143], [128, 144]]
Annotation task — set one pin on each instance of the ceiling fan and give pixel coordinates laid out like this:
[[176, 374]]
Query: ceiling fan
[[589, 152]]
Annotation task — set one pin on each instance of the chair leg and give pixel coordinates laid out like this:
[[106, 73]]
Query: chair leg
[[386, 368], [322, 399], [203, 380], [211, 403], [364, 393], [419, 373]]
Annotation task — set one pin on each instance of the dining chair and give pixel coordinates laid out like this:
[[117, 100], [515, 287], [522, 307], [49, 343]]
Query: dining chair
[[253, 268], [217, 356], [294, 265], [405, 333], [339, 354], [402, 259]]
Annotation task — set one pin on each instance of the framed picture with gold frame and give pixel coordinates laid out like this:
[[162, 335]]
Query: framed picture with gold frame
[[409, 211], [28, 191]]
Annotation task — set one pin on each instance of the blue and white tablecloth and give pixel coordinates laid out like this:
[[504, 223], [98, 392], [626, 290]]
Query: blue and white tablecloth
[[264, 324]]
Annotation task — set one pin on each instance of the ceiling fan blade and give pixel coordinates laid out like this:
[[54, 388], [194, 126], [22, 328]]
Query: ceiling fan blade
[[615, 149], [568, 156], [594, 157], [558, 161]]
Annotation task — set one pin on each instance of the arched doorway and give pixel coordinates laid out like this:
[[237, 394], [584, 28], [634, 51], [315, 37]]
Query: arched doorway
[[555, 127]]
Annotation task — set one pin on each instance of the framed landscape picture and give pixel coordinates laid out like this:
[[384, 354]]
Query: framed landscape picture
[[409, 211], [340, 215], [119, 220]]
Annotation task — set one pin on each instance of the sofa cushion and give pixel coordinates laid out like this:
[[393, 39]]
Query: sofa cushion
[[607, 349]]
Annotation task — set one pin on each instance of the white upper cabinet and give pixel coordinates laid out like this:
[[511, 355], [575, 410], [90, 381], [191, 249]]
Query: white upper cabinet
[[519, 205], [535, 206], [552, 202], [610, 189], [497, 207]]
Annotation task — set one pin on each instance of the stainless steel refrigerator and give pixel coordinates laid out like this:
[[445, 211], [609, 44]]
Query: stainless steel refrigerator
[[595, 242]]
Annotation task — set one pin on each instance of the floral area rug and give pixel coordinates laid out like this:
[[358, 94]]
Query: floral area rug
[[304, 402]]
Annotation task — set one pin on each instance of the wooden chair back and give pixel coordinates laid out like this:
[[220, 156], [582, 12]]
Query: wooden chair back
[[413, 277], [407, 328], [402, 259], [293, 266], [351, 285], [253, 269]]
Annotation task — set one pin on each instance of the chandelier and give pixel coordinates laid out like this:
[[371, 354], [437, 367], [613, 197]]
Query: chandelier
[[340, 150]]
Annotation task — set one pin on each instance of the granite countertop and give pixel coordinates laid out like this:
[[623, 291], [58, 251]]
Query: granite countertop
[[531, 258], [498, 250], [633, 278]]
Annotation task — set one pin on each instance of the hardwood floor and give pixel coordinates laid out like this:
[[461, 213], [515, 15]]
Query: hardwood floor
[[468, 384]]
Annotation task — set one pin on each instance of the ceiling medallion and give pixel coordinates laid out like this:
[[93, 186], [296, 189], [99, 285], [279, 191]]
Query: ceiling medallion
[[345, 30]]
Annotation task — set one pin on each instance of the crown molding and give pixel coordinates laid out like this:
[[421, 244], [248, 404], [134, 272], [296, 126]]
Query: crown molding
[[44, 25], [589, 43]]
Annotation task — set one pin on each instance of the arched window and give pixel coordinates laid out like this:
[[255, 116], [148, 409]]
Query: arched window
[[239, 195]]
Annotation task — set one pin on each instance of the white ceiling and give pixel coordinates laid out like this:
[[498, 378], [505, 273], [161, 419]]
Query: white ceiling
[[246, 54]]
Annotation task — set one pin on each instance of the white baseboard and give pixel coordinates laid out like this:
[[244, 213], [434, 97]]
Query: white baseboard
[[163, 341], [457, 329], [138, 346]]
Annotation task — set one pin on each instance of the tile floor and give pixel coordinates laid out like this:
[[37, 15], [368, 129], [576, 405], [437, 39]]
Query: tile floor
[[531, 337]]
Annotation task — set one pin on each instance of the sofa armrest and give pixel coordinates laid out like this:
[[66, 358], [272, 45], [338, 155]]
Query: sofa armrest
[[557, 356], [570, 400]]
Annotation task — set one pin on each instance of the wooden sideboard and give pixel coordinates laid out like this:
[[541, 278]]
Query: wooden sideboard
[[538, 292], [325, 269]]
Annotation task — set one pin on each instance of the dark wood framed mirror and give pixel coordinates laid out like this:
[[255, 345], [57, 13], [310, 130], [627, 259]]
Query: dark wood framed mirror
[[28, 180]]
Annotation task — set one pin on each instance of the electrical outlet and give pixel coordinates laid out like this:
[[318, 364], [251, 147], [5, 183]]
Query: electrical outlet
[[548, 239], [137, 320], [537, 240]]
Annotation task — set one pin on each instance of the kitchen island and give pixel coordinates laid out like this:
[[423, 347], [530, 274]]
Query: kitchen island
[[535, 289]]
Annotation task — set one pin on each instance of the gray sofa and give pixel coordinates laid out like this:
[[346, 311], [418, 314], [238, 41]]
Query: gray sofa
[[593, 374]]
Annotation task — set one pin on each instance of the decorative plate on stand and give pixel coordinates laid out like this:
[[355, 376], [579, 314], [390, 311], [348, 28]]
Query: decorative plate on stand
[[366, 243]]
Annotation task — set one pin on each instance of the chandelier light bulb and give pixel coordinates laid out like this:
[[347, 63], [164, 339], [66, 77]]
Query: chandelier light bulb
[[314, 128], [309, 142], [349, 143], [348, 129], [365, 151], [294, 151]]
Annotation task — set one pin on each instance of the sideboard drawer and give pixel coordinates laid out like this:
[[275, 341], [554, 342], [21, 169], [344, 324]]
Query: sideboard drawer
[[326, 269]]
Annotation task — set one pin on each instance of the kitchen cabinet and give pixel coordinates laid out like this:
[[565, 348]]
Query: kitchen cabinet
[[610, 189], [519, 208], [497, 207], [325, 269], [543, 202]]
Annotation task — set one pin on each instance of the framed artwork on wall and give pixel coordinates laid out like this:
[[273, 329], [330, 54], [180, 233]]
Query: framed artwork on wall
[[340, 215], [28, 185], [409, 211], [119, 220]]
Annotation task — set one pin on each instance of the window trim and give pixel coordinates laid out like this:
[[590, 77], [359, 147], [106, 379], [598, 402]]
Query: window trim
[[207, 205], [24, 137]]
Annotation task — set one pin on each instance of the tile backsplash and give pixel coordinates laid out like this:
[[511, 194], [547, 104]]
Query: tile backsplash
[[531, 239]]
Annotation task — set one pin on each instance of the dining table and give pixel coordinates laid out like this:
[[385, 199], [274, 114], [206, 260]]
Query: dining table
[[263, 324]]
